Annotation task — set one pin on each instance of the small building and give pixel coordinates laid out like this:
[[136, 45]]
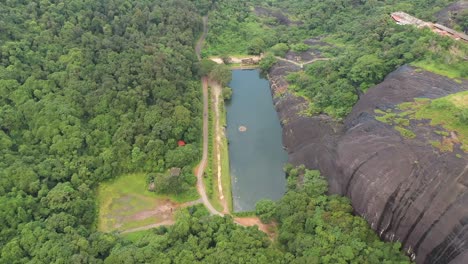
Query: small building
[[181, 143], [402, 18], [175, 172]]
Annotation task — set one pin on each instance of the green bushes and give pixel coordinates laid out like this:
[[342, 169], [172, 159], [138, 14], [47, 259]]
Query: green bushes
[[280, 49], [267, 62]]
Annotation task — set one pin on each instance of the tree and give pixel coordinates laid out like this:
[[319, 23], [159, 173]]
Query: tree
[[205, 67], [221, 74], [280, 49], [256, 46], [299, 47], [267, 62], [368, 70], [181, 156], [227, 93], [265, 209]]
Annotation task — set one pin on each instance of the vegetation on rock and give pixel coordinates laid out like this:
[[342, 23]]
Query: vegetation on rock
[[449, 112]]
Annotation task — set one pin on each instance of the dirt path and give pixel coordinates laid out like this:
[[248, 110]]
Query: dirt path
[[201, 40], [258, 58], [217, 93], [301, 64], [236, 59], [202, 166]]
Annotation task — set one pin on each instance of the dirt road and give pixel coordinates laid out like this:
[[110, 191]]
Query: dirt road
[[202, 166], [201, 40]]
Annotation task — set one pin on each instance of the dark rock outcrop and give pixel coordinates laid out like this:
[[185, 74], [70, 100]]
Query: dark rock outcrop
[[406, 189]]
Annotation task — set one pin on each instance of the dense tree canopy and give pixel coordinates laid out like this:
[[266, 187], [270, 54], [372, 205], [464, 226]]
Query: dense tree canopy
[[88, 90]]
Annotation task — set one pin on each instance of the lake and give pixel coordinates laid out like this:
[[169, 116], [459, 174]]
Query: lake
[[256, 153]]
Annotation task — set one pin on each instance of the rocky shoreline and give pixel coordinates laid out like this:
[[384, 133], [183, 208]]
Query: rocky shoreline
[[404, 188]]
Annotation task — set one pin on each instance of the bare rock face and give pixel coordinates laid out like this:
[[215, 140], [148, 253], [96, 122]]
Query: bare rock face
[[406, 189]]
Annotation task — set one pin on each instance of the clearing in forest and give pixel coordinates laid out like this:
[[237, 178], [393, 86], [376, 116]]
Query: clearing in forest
[[125, 204], [270, 229]]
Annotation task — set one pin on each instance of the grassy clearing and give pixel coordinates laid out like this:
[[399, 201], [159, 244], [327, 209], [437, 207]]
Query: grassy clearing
[[122, 199]]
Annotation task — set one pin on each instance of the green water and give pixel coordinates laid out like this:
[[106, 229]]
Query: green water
[[256, 156]]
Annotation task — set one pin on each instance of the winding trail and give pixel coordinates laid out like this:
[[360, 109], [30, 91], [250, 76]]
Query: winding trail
[[202, 165]]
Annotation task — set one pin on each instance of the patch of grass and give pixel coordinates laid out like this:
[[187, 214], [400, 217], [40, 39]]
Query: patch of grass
[[136, 236], [405, 132], [442, 146], [444, 112], [453, 71], [402, 121], [122, 197], [225, 172], [449, 112], [387, 118], [379, 112], [139, 223], [442, 133]]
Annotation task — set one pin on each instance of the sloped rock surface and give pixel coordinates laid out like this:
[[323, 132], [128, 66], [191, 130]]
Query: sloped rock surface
[[406, 189]]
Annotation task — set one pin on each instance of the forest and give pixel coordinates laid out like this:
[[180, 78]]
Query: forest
[[91, 90]]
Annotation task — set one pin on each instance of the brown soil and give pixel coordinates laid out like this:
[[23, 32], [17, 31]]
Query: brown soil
[[269, 229], [162, 211], [163, 214]]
